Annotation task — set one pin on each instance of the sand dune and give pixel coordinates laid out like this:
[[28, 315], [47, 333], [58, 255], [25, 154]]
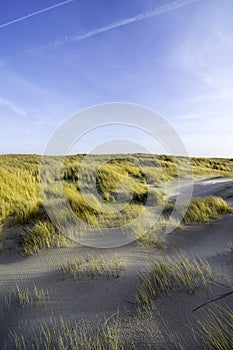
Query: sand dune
[[101, 297]]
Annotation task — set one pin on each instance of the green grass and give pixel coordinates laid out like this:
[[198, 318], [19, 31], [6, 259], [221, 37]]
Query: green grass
[[166, 274], [203, 210], [92, 267]]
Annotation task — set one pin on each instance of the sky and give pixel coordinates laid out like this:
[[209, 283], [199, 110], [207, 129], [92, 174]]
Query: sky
[[60, 57]]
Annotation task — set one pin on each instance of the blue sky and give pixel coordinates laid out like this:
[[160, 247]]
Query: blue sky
[[175, 57]]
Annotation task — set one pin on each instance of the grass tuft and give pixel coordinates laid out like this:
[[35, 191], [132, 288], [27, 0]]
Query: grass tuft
[[74, 335], [150, 239], [42, 235], [203, 210], [166, 274], [92, 267], [216, 329], [23, 297]]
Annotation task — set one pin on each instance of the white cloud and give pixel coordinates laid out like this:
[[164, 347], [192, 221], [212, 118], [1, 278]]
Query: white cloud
[[13, 107], [218, 95]]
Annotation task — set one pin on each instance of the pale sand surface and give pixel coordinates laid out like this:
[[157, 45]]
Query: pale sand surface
[[102, 297]]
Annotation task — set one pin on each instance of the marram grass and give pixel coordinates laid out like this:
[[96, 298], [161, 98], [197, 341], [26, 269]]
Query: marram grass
[[93, 266], [25, 296], [215, 330], [166, 274], [139, 331], [21, 202], [202, 210], [43, 234]]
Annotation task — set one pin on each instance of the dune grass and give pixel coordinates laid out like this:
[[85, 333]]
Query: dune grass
[[203, 210], [215, 330], [43, 234], [166, 274], [21, 203], [210, 166], [150, 239], [139, 331], [151, 236], [94, 266], [23, 297], [95, 213], [19, 195], [72, 335]]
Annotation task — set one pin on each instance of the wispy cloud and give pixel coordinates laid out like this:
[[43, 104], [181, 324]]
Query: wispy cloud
[[120, 23], [225, 38], [12, 106], [20, 19], [224, 95], [190, 116]]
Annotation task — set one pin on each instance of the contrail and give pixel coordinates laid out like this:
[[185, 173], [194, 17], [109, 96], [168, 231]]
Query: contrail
[[35, 13], [125, 21]]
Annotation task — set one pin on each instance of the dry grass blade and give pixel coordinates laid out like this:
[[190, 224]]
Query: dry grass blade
[[165, 274], [216, 329]]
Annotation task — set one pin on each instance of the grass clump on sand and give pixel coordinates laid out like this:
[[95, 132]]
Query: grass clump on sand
[[150, 239], [23, 297], [92, 267], [140, 331], [166, 274], [151, 236], [72, 335], [155, 197], [19, 195], [43, 234], [202, 210], [215, 329], [97, 214]]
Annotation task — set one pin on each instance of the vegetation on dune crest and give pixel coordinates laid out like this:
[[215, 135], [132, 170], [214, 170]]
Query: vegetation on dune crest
[[19, 195], [120, 182], [202, 210], [43, 234]]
